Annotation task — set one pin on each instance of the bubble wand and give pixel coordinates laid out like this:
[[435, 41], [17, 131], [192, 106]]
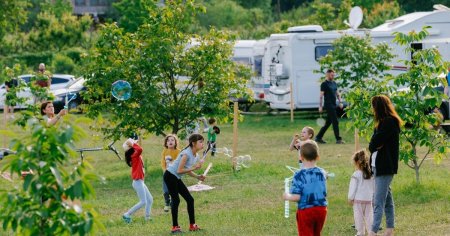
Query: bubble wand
[[68, 100], [286, 203], [206, 172]]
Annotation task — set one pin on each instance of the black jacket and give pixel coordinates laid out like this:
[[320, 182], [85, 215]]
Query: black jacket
[[385, 140]]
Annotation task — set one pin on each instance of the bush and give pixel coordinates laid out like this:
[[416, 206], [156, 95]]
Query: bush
[[32, 59], [63, 64], [74, 54]]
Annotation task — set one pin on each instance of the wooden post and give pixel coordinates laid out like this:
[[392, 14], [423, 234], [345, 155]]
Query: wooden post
[[356, 140], [292, 104], [235, 133]]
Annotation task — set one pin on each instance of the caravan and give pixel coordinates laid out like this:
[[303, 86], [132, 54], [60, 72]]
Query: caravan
[[292, 57], [250, 53]]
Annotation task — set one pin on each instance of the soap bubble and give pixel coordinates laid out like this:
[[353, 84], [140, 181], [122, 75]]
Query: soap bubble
[[121, 90]]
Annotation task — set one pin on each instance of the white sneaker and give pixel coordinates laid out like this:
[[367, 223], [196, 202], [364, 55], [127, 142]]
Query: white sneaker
[[166, 208]]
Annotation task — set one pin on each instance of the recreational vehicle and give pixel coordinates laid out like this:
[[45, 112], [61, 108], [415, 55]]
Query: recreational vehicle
[[292, 57], [250, 53]]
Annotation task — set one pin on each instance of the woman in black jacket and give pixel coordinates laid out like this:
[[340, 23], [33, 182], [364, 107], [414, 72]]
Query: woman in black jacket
[[384, 146]]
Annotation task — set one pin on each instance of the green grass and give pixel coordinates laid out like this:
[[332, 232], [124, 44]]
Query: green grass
[[249, 202]]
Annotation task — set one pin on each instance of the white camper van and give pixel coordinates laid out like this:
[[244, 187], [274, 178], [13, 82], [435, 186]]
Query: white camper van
[[292, 57], [250, 53]]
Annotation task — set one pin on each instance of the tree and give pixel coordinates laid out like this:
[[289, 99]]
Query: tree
[[133, 13], [380, 13], [421, 5], [416, 103], [46, 202], [12, 16], [228, 14], [164, 67], [344, 12], [361, 67], [54, 34], [324, 15]]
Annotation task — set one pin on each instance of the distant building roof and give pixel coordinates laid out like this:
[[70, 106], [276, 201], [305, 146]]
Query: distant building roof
[[94, 7]]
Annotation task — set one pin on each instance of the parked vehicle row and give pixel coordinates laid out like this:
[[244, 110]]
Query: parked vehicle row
[[61, 86]]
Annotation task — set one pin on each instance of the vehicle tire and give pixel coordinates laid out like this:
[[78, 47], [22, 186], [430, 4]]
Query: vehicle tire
[[245, 106]]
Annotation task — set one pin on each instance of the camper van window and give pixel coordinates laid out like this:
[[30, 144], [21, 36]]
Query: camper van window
[[242, 60], [322, 51], [416, 47], [258, 65]]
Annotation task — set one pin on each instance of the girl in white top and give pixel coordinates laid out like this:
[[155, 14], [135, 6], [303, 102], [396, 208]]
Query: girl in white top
[[360, 193], [297, 140]]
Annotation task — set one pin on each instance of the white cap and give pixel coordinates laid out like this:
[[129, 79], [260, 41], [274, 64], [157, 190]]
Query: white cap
[[125, 144]]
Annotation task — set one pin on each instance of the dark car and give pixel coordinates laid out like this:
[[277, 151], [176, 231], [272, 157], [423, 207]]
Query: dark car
[[70, 95]]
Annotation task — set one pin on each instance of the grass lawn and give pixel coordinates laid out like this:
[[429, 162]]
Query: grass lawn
[[249, 202]]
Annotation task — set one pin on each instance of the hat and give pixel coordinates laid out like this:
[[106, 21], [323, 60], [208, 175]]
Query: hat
[[125, 145]]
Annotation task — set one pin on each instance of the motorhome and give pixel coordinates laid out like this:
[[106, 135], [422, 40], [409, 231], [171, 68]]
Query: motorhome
[[293, 57], [250, 53]]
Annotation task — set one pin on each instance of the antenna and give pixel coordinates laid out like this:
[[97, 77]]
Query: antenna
[[355, 18]]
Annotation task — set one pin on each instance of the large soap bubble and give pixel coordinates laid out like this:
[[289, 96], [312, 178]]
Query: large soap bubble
[[121, 90]]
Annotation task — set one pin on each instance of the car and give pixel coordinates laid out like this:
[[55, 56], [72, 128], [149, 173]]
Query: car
[[58, 81], [65, 95]]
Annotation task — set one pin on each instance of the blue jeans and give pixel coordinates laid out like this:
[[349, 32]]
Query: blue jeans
[[145, 198], [383, 202]]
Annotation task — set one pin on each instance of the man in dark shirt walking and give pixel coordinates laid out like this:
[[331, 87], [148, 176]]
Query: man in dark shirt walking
[[328, 89]]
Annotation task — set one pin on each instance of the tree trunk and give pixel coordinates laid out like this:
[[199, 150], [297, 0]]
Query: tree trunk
[[416, 166], [416, 169], [176, 126]]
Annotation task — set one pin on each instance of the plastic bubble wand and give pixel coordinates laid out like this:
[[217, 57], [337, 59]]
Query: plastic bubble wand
[[286, 203], [206, 172], [68, 100]]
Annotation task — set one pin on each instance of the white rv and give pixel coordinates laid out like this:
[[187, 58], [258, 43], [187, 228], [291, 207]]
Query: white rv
[[250, 53], [292, 57]]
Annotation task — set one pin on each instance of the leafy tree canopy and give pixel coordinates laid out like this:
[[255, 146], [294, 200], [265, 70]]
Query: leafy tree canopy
[[48, 199], [418, 104], [12, 16], [165, 68], [361, 67]]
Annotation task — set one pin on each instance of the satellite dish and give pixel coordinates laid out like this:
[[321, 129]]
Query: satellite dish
[[355, 17]]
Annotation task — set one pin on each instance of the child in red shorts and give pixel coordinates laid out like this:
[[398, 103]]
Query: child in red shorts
[[310, 191]]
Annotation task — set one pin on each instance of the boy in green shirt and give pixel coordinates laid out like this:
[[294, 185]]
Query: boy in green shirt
[[212, 135]]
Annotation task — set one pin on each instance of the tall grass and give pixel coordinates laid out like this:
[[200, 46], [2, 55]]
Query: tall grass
[[249, 202]]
